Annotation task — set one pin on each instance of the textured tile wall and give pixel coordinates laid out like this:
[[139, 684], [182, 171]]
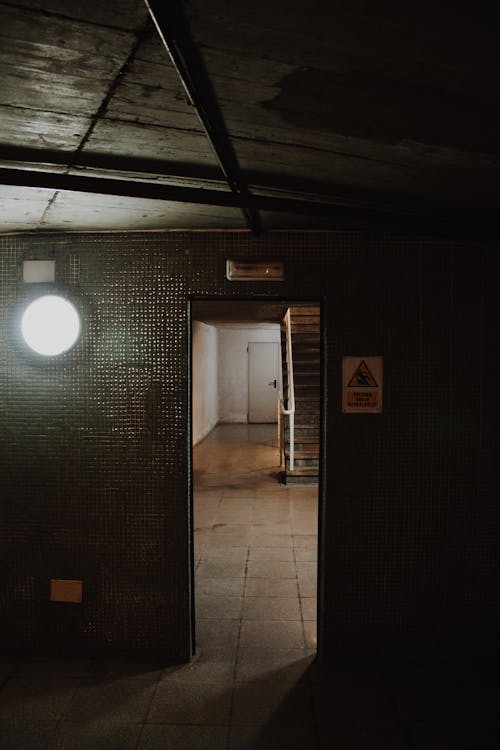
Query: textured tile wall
[[94, 481]]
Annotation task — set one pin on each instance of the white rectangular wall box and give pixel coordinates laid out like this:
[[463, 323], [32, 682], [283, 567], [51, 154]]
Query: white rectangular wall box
[[39, 271]]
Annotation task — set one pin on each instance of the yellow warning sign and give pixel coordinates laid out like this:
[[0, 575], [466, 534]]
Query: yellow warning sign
[[362, 385], [363, 377]]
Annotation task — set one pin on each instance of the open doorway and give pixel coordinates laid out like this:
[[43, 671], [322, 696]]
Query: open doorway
[[255, 475]]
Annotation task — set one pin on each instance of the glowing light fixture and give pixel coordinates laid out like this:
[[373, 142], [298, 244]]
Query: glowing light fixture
[[50, 325]]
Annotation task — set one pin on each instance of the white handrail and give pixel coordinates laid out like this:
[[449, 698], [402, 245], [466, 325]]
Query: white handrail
[[290, 412]]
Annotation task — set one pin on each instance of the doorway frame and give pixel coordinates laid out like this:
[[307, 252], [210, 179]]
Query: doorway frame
[[320, 300]]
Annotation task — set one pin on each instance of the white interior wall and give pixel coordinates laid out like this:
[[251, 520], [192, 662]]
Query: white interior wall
[[204, 380], [233, 368]]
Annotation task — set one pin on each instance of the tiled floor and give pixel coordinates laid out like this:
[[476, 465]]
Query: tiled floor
[[254, 684], [255, 545]]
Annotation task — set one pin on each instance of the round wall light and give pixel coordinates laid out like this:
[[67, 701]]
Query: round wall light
[[50, 325]]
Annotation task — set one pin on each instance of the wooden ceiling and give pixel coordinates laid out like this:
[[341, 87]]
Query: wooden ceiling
[[281, 114]]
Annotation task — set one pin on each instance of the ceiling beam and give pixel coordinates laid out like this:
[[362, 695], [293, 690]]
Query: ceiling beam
[[306, 190], [340, 216], [52, 180], [33, 158], [186, 59]]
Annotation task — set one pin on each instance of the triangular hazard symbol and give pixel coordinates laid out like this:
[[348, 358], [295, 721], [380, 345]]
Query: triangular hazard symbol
[[362, 377]]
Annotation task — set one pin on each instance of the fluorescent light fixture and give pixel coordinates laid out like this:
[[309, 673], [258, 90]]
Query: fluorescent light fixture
[[50, 325], [240, 270]]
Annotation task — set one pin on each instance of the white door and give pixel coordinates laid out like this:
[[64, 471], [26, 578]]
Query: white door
[[263, 381]]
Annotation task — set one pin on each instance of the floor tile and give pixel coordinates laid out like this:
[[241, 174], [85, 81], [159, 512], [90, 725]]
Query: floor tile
[[270, 569], [269, 514], [280, 554], [98, 735], [231, 554], [270, 527], [258, 703], [44, 698], [310, 633], [221, 568], [173, 737], [273, 587], [205, 667], [309, 541], [190, 703], [45, 667], [234, 516], [217, 637], [267, 608], [137, 670], [22, 734], [228, 538], [307, 569], [305, 554], [274, 664], [308, 605], [217, 586], [272, 738], [265, 539], [269, 634], [123, 700], [218, 606], [307, 586], [237, 493], [225, 529]]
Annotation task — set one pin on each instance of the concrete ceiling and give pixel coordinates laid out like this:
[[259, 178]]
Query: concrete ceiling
[[321, 115]]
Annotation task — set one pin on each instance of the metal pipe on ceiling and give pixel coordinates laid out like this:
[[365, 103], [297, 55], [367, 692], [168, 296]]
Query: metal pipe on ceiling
[[171, 26]]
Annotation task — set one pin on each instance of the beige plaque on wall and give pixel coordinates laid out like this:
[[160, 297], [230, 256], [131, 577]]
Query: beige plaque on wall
[[362, 385]]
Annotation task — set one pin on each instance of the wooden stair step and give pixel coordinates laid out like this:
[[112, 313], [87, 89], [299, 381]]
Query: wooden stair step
[[304, 310], [310, 436], [302, 336], [306, 367], [302, 382], [310, 451], [305, 328], [306, 354], [304, 448], [310, 347], [311, 326], [303, 471], [303, 434]]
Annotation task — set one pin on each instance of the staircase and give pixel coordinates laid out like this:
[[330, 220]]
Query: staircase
[[304, 323]]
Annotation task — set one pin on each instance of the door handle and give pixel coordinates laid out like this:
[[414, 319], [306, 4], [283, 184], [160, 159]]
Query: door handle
[[273, 383]]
